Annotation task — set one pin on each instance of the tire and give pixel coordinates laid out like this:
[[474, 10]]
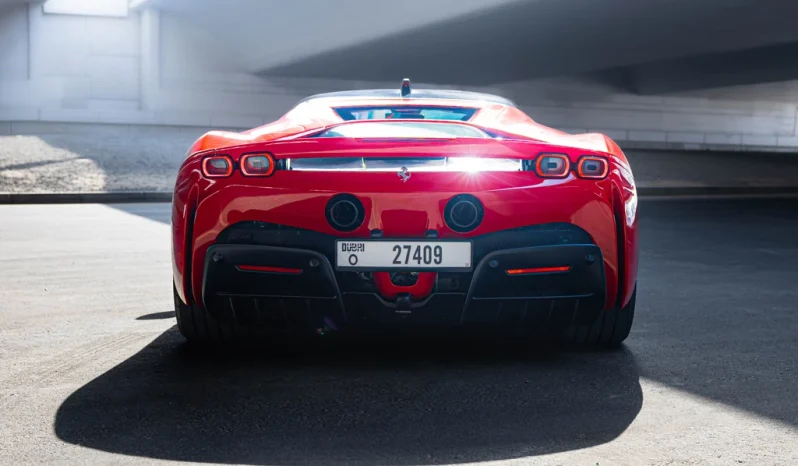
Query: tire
[[200, 328], [611, 328]]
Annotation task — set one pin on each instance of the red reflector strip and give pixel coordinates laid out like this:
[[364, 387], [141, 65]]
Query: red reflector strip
[[263, 268], [538, 270]]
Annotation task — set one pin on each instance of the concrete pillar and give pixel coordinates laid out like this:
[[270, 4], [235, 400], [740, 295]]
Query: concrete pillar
[[150, 57]]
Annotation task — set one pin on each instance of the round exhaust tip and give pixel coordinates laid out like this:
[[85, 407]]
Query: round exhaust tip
[[345, 212], [463, 213]]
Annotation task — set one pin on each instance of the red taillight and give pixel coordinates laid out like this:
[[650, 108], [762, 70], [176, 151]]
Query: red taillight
[[268, 269], [217, 166], [592, 167], [257, 164], [564, 268], [553, 165]]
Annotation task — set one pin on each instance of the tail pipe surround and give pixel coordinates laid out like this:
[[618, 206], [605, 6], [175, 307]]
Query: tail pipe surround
[[345, 212], [463, 213]]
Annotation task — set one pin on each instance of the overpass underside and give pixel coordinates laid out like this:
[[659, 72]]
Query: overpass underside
[[642, 46], [672, 73]]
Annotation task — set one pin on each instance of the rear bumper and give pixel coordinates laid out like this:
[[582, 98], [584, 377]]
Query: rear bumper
[[292, 285]]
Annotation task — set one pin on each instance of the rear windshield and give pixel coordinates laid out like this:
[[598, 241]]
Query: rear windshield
[[402, 130], [406, 112]]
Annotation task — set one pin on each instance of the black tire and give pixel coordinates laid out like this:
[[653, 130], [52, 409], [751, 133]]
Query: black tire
[[610, 330], [200, 328]]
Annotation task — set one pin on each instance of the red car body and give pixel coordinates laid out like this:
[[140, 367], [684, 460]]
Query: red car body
[[549, 252]]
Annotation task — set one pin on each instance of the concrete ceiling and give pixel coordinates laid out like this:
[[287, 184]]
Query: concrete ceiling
[[7, 4], [742, 67], [266, 33], [645, 45], [19, 2]]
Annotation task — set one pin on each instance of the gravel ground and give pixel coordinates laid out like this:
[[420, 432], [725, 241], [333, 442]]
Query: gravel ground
[[79, 162], [149, 162]]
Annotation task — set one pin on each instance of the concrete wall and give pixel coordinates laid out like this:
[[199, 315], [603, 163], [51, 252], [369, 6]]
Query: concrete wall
[[65, 67], [155, 68]]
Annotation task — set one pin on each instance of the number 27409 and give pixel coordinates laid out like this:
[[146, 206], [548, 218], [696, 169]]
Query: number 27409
[[427, 255]]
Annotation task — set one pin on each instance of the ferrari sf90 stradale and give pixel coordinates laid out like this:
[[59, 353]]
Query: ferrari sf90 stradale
[[407, 208]]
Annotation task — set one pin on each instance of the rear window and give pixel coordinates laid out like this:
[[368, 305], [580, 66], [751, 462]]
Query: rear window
[[402, 130], [406, 112]]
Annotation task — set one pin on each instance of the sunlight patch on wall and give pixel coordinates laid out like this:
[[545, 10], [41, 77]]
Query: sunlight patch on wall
[[112, 8]]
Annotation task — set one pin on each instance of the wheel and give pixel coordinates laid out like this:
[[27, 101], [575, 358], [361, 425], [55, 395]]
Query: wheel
[[610, 329], [200, 328]]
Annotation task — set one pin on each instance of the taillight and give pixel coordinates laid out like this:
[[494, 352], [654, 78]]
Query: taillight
[[537, 270], [217, 166], [553, 165], [257, 164], [592, 167]]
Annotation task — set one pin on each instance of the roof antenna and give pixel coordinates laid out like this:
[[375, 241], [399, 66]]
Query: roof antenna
[[405, 87]]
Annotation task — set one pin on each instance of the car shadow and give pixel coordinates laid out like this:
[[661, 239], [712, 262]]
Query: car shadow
[[358, 402], [157, 316]]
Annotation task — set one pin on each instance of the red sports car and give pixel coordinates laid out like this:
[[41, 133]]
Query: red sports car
[[409, 209]]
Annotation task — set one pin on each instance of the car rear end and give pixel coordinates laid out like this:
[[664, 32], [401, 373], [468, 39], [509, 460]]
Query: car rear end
[[319, 234]]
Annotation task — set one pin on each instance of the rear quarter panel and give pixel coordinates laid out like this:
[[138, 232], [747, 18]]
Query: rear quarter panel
[[625, 204]]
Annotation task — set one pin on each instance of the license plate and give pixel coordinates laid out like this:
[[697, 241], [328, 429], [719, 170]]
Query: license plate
[[403, 255]]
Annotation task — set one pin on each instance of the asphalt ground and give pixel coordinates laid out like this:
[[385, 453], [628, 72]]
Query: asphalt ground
[[93, 371]]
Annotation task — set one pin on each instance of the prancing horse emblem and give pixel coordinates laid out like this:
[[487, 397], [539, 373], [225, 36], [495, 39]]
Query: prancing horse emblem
[[404, 174]]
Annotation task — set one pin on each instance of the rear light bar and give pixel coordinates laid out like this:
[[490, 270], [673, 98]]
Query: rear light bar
[[222, 166], [552, 165], [546, 165]]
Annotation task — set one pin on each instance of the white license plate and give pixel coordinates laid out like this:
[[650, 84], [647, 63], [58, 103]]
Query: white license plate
[[405, 255]]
